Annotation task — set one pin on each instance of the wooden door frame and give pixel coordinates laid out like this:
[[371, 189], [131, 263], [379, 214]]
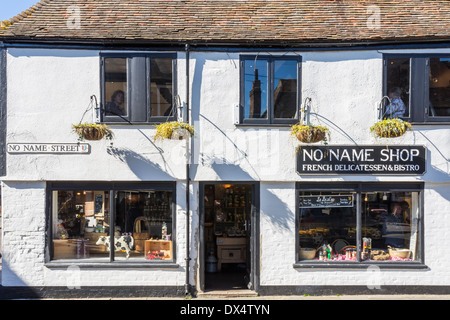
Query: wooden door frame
[[254, 232]]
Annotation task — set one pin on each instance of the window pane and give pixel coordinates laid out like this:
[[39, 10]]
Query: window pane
[[439, 87], [116, 86], [80, 219], [398, 76], [147, 217], [327, 221], [161, 91], [390, 226], [285, 89], [255, 89]]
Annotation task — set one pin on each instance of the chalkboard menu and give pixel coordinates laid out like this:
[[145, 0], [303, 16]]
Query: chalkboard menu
[[98, 203], [326, 201]]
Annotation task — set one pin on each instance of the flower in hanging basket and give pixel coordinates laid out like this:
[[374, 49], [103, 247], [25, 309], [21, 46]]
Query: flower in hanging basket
[[173, 130], [390, 128], [87, 131], [309, 133]]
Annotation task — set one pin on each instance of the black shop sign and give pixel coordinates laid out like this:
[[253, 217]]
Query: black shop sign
[[354, 160]]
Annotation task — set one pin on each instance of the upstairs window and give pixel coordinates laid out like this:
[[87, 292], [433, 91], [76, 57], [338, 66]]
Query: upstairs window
[[270, 89], [138, 88], [418, 87]]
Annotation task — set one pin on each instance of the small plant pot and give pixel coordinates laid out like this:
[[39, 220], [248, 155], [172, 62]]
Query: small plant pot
[[179, 134], [390, 128], [173, 131], [309, 134], [92, 132]]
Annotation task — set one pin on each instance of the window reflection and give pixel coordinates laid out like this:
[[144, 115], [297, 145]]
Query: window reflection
[[285, 89], [327, 227], [161, 91], [142, 228], [116, 86], [255, 89], [390, 221], [439, 87], [398, 74], [389, 229]]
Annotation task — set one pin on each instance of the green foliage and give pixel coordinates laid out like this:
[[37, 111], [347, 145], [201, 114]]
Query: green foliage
[[91, 131], [390, 128], [165, 130], [301, 128], [309, 133]]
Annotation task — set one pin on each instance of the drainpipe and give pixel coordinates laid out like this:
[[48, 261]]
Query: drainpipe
[[187, 285]]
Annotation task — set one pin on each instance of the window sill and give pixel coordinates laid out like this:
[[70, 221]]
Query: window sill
[[63, 264], [431, 123], [360, 265], [264, 125], [129, 124]]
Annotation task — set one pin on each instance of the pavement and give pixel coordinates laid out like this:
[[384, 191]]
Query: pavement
[[223, 295]]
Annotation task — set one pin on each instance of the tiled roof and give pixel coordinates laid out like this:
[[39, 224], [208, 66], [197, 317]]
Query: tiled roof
[[240, 21]]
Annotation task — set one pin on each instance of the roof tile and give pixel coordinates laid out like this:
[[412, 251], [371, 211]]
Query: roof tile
[[235, 20]]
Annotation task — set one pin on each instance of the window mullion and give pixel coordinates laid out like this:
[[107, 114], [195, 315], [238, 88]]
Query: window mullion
[[358, 225], [271, 92], [112, 218]]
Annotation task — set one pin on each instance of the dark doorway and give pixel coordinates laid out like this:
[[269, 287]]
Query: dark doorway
[[227, 215]]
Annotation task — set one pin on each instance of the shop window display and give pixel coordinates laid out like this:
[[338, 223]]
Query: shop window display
[[388, 230], [142, 225], [327, 222]]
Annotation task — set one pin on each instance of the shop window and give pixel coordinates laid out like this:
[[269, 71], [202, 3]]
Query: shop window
[[382, 228], [140, 224], [269, 89], [418, 87], [138, 88]]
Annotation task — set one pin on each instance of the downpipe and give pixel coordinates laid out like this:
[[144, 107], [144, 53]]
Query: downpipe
[[187, 287]]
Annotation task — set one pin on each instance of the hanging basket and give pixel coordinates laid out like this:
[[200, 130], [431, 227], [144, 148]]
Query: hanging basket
[[390, 128], [174, 131], [309, 133], [92, 132]]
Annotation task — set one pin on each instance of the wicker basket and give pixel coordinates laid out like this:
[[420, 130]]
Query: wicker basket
[[307, 253], [311, 135], [90, 133], [139, 234], [389, 132], [179, 134], [400, 253], [390, 128]]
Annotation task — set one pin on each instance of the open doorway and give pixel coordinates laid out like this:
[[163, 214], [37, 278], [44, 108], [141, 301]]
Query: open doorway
[[226, 242]]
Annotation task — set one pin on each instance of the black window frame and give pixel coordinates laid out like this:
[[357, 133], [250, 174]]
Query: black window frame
[[138, 79], [271, 120], [419, 86], [359, 188], [112, 188]]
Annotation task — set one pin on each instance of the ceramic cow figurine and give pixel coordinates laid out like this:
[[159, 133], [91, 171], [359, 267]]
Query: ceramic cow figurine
[[120, 243]]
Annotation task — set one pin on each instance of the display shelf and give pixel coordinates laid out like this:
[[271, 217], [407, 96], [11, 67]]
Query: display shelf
[[153, 247]]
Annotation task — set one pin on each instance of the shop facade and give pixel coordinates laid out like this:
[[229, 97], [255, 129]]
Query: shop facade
[[239, 205], [279, 218]]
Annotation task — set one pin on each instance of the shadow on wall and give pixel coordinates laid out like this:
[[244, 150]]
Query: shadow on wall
[[225, 171], [20, 289], [274, 208], [437, 175], [142, 167]]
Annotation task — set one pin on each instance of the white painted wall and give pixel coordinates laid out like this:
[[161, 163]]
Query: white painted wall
[[48, 91]]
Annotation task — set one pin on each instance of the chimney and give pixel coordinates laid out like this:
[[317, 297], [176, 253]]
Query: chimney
[[255, 98]]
